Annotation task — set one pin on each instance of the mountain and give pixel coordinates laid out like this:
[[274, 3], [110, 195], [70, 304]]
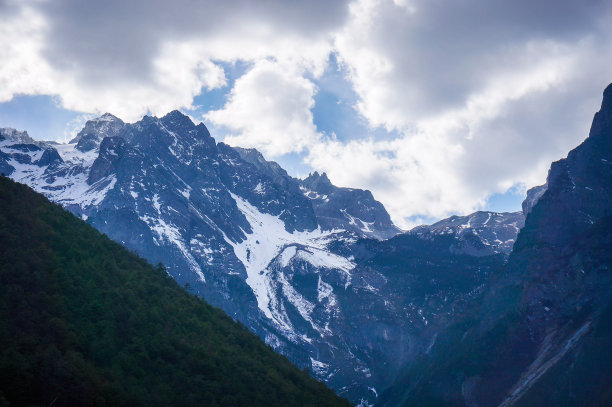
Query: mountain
[[86, 322], [350, 209], [230, 233], [90, 137], [299, 262], [533, 196], [496, 231], [353, 210], [540, 334]]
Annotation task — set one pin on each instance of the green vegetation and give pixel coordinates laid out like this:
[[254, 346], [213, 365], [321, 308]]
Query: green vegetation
[[85, 322]]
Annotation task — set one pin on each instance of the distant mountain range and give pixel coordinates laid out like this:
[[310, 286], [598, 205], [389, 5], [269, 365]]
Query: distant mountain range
[[317, 271]]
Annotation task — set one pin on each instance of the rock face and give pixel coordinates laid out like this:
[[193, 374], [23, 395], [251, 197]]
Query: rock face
[[347, 208], [533, 196], [270, 169], [542, 332], [95, 130], [302, 263]]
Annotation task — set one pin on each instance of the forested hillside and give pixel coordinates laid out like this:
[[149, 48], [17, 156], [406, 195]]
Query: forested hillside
[[85, 322]]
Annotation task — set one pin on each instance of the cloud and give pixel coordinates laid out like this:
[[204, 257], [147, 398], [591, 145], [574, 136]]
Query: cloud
[[22, 36], [137, 57], [269, 108], [424, 57], [484, 95]]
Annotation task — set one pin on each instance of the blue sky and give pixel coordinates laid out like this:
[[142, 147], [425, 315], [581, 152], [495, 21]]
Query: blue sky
[[40, 115], [437, 108]]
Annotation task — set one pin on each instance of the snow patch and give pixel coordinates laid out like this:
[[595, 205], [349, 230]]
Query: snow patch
[[70, 190], [318, 367], [268, 240], [156, 204], [286, 256], [259, 189]]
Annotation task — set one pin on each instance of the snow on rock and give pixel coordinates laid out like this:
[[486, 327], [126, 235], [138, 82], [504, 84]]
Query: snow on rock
[[318, 367], [325, 291], [285, 257], [70, 188], [170, 233], [259, 189], [269, 240]]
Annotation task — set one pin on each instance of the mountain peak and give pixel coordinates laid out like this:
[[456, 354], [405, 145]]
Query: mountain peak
[[108, 117], [176, 116], [95, 130], [16, 135], [606, 103], [318, 178], [318, 182]]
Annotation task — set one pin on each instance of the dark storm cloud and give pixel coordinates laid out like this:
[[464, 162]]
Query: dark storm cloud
[[445, 50], [108, 39]]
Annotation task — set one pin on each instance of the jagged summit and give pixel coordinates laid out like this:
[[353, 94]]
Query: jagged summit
[[318, 176], [178, 120], [316, 181], [17, 136], [176, 115], [271, 168], [174, 131], [90, 137], [108, 117]]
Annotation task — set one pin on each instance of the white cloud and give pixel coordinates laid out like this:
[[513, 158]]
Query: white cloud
[[413, 175], [23, 70], [138, 57], [269, 109], [483, 101]]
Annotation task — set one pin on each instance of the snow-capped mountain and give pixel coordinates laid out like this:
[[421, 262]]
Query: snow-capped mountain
[[496, 232], [90, 137], [299, 262], [349, 209]]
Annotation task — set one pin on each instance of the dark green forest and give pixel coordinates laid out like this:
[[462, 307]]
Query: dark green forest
[[83, 321]]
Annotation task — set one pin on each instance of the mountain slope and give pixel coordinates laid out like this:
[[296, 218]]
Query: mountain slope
[[542, 330], [85, 322]]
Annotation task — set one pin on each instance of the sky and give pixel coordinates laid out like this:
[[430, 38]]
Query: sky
[[437, 107]]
